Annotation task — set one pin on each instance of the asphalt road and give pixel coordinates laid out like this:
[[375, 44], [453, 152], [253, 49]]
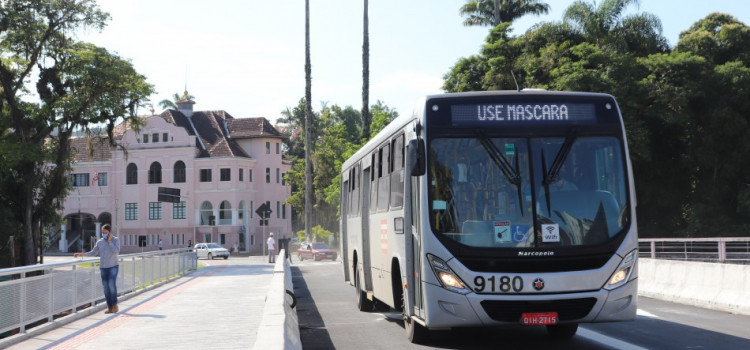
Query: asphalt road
[[329, 319]]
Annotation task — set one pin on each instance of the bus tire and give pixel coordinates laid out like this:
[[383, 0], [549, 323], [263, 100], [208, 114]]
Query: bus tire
[[562, 331], [363, 304], [415, 332]]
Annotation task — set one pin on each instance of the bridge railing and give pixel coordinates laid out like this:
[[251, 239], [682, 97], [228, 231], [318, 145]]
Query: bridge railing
[[720, 249], [36, 294]]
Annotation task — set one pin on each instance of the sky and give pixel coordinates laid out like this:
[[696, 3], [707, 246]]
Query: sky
[[247, 57]]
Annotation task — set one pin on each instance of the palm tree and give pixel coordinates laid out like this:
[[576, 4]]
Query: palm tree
[[366, 117], [494, 12], [606, 26], [172, 104], [308, 122]]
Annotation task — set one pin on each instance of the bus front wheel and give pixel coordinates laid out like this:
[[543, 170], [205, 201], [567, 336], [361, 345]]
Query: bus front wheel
[[416, 332], [562, 331]]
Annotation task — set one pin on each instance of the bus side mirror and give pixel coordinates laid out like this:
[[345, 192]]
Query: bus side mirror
[[416, 157]]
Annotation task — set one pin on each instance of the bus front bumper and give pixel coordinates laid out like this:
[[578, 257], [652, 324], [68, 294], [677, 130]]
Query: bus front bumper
[[448, 309]]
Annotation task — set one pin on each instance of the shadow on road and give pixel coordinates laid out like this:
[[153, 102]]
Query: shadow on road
[[312, 329]]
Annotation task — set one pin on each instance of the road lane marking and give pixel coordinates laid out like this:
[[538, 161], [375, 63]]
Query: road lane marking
[[607, 340]]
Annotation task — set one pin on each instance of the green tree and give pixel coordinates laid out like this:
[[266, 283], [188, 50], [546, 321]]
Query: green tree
[[319, 234], [605, 26], [719, 38], [718, 126], [382, 115], [493, 12], [79, 86]]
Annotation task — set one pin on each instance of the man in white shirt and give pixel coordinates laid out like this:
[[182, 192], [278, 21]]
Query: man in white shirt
[[271, 243]]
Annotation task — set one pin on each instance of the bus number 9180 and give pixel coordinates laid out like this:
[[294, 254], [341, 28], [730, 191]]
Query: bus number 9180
[[502, 284]]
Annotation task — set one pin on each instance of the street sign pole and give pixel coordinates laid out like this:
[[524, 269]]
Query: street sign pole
[[264, 211]]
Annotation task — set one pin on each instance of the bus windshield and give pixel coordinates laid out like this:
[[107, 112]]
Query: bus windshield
[[527, 192]]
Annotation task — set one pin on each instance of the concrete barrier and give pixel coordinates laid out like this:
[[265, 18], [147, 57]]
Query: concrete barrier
[[724, 287], [279, 328]]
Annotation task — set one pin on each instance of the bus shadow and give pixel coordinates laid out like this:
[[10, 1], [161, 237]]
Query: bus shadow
[[312, 330], [644, 333]]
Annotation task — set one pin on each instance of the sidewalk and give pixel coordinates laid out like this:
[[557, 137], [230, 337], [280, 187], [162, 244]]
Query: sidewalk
[[220, 306]]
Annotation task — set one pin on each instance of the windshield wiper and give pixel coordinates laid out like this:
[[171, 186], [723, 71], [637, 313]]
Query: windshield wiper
[[511, 173], [553, 175]]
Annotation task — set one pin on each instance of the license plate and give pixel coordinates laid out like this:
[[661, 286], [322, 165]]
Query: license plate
[[539, 318]]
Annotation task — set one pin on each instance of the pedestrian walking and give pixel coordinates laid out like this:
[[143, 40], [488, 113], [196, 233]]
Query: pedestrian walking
[[271, 243], [161, 246], [107, 249]]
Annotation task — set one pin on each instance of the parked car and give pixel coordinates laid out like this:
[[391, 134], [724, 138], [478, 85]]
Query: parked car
[[316, 251], [211, 250]]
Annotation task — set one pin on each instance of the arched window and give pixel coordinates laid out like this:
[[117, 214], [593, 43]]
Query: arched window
[[179, 171], [225, 213], [131, 174], [154, 173], [207, 214]]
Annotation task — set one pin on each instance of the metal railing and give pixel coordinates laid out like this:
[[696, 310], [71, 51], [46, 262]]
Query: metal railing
[[33, 295], [721, 250]]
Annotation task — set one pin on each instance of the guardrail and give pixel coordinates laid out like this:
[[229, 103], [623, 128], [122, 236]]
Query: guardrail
[[722, 249], [36, 294]]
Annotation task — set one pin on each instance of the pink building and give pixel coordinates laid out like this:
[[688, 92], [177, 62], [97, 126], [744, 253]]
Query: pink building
[[224, 168]]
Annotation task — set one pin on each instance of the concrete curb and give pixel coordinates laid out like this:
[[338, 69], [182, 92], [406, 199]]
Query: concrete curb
[[279, 328], [709, 285]]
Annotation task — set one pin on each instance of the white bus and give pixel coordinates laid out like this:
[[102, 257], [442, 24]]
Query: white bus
[[518, 208]]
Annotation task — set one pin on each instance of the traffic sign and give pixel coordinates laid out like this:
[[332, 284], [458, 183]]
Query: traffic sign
[[264, 211], [167, 194]]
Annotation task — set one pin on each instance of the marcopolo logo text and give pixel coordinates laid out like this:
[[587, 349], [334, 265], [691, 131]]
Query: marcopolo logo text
[[544, 253]]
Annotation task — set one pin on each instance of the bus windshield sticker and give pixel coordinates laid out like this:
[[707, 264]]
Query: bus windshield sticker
[[550, 233], [520, 113], [502, 232], [439, 205], [520, 233]]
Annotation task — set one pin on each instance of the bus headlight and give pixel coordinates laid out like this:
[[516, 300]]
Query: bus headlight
[[623, 272], [448, 279]]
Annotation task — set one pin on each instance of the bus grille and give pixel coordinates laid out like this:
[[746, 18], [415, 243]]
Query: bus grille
[[538, 265], [511, 310]]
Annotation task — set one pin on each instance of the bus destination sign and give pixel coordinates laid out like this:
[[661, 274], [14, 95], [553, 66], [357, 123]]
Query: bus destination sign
[[522, 113]]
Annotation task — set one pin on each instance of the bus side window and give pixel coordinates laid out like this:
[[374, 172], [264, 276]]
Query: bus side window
[[397, 172], [357, 184], [374, 170], [383, 178]]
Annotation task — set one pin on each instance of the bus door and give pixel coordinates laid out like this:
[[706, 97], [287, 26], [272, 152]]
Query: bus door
[[346, 191], [365, 253], [417, 245], [413, 234]]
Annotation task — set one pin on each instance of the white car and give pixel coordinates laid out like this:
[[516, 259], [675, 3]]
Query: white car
[[211, 250]]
